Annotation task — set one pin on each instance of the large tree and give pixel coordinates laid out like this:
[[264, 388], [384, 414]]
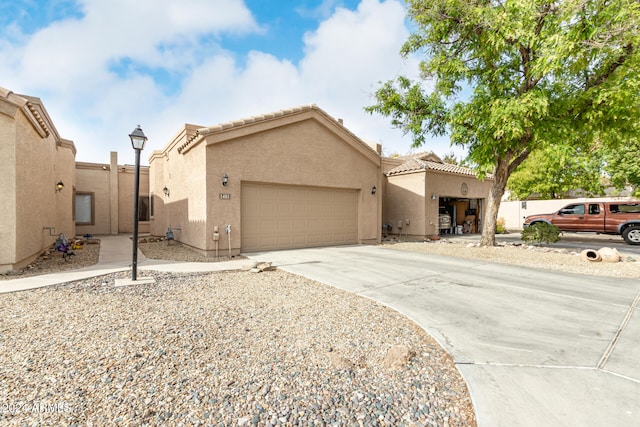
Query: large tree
[[504, 78]]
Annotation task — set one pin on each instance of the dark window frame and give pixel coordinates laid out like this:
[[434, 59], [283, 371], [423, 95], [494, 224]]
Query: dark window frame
[[143, 208]]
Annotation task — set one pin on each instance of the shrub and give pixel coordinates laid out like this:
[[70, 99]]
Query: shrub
[[541, 232], [501, 228]]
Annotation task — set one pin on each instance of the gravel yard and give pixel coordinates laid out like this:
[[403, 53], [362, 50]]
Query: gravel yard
[[52, 261], [225, 349], [176, 251], [527, 256]]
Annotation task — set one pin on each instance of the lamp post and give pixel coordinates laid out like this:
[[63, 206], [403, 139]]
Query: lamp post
[[137, 141]]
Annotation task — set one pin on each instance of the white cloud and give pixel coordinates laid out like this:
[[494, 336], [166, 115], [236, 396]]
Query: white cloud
[[70, 65]]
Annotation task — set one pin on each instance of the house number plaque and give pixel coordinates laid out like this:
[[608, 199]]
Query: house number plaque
[[225, 196]]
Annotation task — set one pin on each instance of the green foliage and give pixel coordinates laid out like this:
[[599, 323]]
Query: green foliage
[[506, 78], [501, 228], [622, 165], [541, 232], [554, 170], [451, 159]]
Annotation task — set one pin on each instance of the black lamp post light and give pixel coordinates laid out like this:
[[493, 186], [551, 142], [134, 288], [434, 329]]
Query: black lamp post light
[[138, 140]]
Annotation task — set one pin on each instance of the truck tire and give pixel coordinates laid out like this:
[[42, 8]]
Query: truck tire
[[631, 234]]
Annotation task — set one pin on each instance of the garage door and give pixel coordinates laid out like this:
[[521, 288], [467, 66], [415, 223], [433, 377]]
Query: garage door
[[286, 217]]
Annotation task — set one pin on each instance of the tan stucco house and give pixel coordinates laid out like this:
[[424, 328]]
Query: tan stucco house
[[290, 179], [37, 171], [47, 193], [293, 178]]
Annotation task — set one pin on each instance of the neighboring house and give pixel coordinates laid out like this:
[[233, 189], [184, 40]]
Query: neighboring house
[[104, 198], [290, 179], [294, 178], [420, 188], [37, 182], [46, 193]]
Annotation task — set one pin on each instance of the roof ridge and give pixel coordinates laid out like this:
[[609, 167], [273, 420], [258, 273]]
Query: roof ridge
[[245, 121], [258, 118], [415, 165]]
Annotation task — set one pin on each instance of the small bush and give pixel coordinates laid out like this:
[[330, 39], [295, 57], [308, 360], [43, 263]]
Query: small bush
[[501, 228], [541, 232]]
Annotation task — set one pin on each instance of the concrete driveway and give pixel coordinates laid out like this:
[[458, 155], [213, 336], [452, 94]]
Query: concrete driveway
[[536, 348]]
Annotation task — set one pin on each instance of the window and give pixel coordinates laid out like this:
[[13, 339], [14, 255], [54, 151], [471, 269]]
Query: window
[[629, 207], [143, 208], [573, 210], [151, 205], [594, 209], [84, 208]]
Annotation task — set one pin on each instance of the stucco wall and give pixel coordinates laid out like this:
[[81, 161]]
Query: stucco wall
[[184, 209], [35, 158], [7, 186], [450, 185], [95, 178], [36, 198], [39, 167], [64, 170], [404, 199]]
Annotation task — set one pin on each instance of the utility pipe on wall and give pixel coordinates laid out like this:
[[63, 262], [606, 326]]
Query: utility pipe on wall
[[216, 238]]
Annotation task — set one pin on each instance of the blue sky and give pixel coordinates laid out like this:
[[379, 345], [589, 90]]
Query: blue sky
[[101, 67]]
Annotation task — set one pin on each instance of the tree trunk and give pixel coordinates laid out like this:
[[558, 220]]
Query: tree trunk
[[500, 177]]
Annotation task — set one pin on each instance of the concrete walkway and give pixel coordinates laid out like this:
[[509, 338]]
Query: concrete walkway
[[115, 255]]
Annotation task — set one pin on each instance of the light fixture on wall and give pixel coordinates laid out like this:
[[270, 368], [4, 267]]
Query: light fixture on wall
[[59, 186], [373, 190], [165, 190], [138, 139], [225, 180], [434, 196]]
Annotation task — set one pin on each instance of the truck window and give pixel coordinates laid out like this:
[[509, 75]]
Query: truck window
[[613, 208], [629, 207], [573, 210], [594, 209]]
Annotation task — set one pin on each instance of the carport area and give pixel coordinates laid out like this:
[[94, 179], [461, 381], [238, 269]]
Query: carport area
[[536, 348]]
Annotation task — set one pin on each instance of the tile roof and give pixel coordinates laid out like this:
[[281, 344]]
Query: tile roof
[[258, 118], [415, 164], [246, 121]]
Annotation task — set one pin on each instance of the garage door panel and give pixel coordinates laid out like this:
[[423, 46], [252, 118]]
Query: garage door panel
[[299, 239], [313, 239], [282, 217], [283, 226]]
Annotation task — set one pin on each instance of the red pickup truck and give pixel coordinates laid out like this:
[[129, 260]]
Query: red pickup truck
[[622, 218]]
